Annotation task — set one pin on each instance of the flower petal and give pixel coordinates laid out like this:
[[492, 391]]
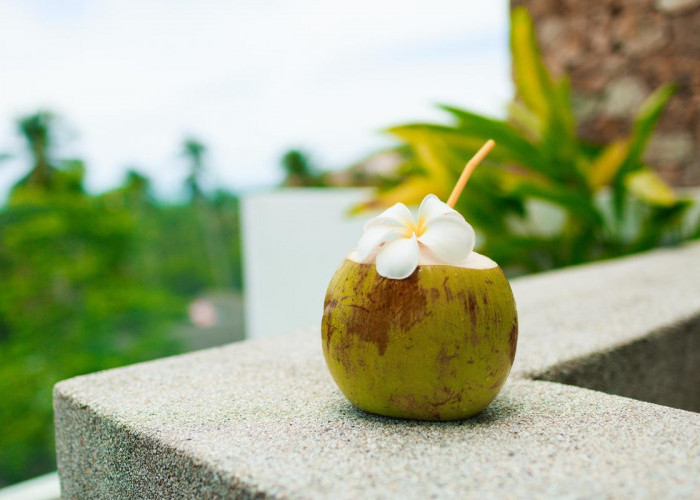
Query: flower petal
[[450, 238], [396, 215], [431, 207], [398, 259], [375, 236]]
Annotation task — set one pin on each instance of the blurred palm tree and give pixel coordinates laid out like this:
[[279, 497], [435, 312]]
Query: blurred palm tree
[[211, 229], [47, 172], [137, 188], [194, 151], [298, 170], [36, 130]]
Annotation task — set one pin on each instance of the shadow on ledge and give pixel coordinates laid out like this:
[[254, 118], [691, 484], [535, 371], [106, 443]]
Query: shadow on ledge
[[500, 409], [662, 368]]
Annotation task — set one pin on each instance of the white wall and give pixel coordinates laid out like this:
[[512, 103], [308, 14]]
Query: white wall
[[293, 241], [46, 487]]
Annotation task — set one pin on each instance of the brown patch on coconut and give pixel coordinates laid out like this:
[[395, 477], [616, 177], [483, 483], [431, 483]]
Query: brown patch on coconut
[[470, 303], [328, 318], [444, 359], [398, 304], [513, 340], [448, 292]]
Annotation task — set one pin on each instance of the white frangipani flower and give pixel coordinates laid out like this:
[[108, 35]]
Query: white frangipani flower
[[399, 238]]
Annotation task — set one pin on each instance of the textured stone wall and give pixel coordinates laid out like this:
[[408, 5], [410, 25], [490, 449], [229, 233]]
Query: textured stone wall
[[616, 53]]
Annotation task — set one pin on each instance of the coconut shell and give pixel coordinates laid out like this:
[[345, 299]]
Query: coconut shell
[[437, 345]]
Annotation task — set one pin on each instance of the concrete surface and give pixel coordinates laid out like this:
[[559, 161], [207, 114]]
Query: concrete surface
[[264, 419]]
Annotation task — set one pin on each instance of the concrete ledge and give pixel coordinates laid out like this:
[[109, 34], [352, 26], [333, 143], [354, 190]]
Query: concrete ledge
[[264, 419], [662, 368]]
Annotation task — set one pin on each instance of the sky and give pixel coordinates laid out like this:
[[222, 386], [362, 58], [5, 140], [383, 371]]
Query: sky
[[249, 78]]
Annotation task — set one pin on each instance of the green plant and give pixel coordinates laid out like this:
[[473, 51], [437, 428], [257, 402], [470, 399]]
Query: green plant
[[607, 200], [89, 282], [194, 151], [298, 170], [72, 301]]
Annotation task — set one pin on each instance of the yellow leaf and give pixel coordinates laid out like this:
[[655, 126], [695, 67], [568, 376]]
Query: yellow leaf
[[431, 150], [410, 192], [531, 78], [525, 121], [649, 187], [604, 168]]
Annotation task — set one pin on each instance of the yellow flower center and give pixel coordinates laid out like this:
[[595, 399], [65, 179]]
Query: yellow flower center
[[417, 228]]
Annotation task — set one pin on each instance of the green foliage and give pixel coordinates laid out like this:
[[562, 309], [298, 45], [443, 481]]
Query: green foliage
[[609, 202], [72, 302], [190, 248], [194, 151], [93, 282], [298, 170], [36, 131]]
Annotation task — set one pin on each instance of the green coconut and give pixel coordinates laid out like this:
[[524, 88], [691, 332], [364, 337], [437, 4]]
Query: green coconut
[[437, 345]]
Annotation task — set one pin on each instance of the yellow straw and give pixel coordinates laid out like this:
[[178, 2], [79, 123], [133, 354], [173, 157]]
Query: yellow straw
[[468, 170]]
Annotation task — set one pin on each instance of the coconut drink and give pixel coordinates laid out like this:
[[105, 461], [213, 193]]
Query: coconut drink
[[416, 324]]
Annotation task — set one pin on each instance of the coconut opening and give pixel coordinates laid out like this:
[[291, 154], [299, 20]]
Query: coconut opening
[[427, 258]]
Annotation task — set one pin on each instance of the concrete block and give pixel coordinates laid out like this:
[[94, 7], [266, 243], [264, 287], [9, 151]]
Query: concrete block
[[264, 419]]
